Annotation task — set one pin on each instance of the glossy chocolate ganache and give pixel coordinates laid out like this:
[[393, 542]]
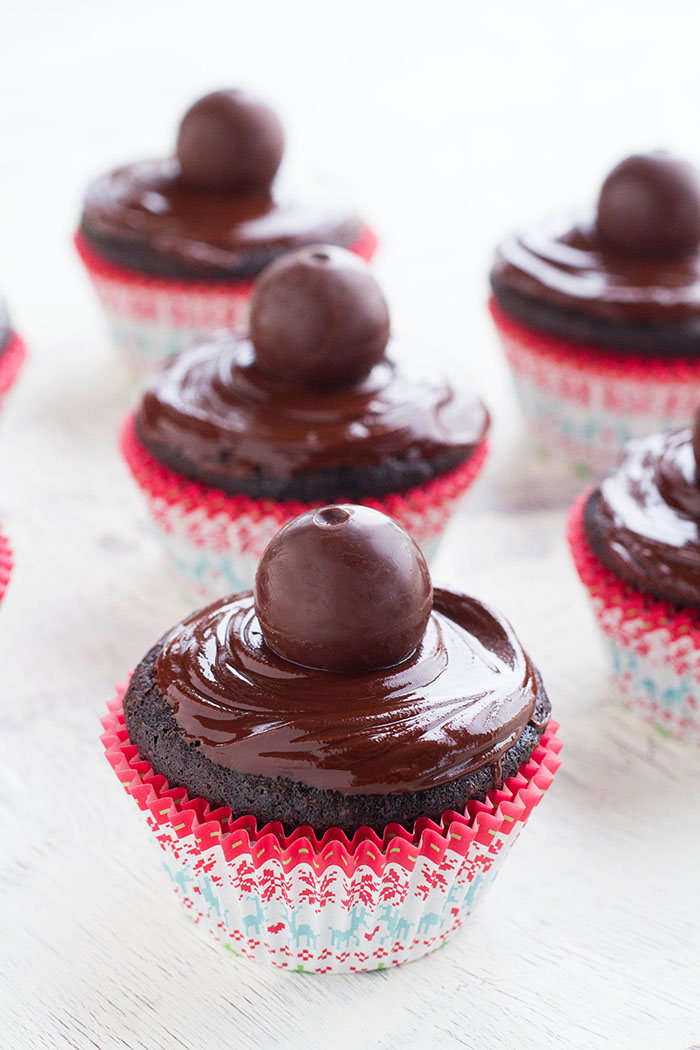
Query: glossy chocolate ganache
[[219, 209], [457, 704], [624, 275], [319, 404], [643, 522], [343, 691]]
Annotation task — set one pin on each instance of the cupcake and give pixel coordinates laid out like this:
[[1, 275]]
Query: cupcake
[[314, 404], [636, 544], [335, 765], [12, 354], [5, 564], [599, 313], [172, 246]]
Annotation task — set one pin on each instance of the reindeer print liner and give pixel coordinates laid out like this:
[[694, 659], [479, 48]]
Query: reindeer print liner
[[329, 905]]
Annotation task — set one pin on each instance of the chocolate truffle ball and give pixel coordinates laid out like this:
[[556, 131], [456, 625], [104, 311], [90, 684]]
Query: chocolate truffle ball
[[343, 588], [649, 207], [318, 318], [231, 142]]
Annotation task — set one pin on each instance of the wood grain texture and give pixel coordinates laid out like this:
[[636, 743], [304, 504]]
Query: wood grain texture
[[590, 938]]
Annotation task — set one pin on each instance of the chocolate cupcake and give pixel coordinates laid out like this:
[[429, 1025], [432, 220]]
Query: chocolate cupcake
[[599, 313], [13, 353], [315, 403], [636, 544], [172, 246], [342, 720]]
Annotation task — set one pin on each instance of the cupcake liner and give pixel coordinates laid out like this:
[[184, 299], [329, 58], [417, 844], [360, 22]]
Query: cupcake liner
[[583, 404], [214, 540], [152, 318], [328, 905], [654, 647], [5, 564], [12, 357]]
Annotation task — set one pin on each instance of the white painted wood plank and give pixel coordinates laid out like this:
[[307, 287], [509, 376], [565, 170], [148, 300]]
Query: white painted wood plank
[[590, 938]]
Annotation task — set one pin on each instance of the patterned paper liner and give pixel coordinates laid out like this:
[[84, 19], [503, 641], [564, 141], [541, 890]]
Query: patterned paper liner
[[214, 541], [330, 905], [5, 564], [654, 647], [152, 318], [12, 357], [584, 404]]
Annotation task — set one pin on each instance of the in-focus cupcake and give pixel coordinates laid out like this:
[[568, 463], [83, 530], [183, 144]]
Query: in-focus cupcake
[[5, 564], [599, 313], [12, 354], [317, 403], [636, 544], [173, 245], [335, 765]]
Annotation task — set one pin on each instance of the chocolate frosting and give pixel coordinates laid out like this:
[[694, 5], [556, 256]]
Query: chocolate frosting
[[455, 706], [562, 262], [647, 521], [148, 218], [230, 423]]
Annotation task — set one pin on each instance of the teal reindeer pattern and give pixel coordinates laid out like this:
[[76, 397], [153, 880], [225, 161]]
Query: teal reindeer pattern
[[253, 920], [358, 921], [299, 933], [211, 898]]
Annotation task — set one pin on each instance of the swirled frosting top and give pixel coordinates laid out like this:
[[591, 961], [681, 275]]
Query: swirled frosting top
[[230, 422], [647, 523], [146, 217], [562, 262], [456, 705]]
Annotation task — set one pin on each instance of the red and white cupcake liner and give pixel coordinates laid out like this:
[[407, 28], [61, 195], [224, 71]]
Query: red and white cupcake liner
[[214, 540], [583, 404], [12, 357], [5, 564], [328, 905], [152, 318], [653, 646]]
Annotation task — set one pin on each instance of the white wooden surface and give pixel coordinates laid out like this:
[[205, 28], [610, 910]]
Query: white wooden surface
[[452, 122]]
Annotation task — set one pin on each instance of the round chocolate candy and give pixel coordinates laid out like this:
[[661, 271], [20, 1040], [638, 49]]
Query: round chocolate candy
[[231, 142], [649, 207], [318, 318], [343, 588]]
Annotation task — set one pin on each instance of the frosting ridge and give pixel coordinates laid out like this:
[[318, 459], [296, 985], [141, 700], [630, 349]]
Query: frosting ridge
[[646, 526], [562, 262], [229, 424], [147, 217], [458, 704]]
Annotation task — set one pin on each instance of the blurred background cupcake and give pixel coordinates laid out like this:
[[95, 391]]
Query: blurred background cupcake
[[318, 402], [5, 564], [12, 354], [335, 766], [599, 313], [636, 543], [173, 245]]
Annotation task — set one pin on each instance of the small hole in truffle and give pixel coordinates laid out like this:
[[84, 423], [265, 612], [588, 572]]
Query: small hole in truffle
[[331, 516], [321, 256]]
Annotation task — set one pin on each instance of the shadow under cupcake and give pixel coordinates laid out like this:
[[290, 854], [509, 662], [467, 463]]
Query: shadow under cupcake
[[335, 767]]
